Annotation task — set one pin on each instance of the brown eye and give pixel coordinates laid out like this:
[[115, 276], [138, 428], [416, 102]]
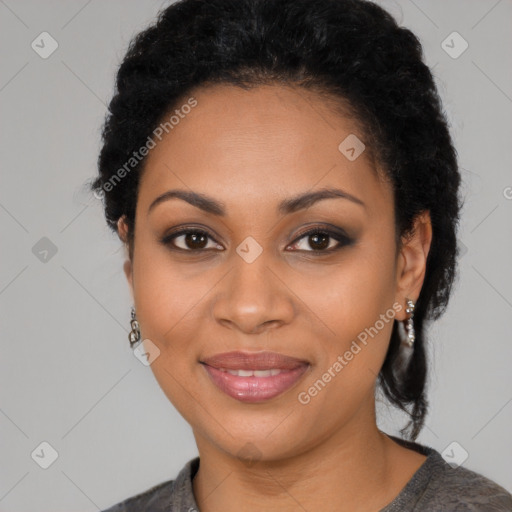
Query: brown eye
[[195, 240], [320, 240], [191, 240]]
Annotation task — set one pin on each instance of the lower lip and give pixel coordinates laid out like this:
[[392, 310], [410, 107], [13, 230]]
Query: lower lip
[[254, 389]]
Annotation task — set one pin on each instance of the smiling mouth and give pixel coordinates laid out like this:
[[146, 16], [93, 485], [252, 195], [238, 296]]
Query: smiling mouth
[[255, 385]]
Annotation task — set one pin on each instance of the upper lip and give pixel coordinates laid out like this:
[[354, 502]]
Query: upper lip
[[238, 360]]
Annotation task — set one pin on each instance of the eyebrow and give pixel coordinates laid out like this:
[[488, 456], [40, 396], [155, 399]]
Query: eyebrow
[[287, 206]]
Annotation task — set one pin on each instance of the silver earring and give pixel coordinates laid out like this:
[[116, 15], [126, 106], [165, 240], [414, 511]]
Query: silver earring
[[409, 324], [134, 335]]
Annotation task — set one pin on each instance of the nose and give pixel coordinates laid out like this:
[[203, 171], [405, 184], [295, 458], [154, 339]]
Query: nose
[[253, 298]]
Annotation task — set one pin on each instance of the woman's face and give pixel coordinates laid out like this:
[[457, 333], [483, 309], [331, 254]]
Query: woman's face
[[255, 282]]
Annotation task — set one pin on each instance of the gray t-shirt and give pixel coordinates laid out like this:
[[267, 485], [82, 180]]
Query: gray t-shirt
[[435, 487]]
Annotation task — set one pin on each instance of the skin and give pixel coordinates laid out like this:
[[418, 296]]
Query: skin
[[250, 150]]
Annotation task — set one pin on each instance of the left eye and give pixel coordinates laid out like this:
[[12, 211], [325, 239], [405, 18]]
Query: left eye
[[318, 239]]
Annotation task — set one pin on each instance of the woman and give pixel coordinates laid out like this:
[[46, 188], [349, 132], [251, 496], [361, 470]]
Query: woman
[[287, 189]]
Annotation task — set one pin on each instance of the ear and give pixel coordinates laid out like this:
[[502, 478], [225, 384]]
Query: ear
[[412, 262], [122, 230]]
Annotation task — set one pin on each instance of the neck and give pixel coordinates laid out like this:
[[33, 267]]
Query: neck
[[353, 469]]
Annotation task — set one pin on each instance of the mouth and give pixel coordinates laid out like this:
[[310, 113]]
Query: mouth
[[254, 377]]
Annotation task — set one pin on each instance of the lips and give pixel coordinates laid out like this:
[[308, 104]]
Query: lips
[[254, 377], [238, 360]]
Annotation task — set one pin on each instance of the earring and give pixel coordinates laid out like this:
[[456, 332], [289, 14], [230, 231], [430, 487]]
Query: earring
[[409, 325], [134, 335]]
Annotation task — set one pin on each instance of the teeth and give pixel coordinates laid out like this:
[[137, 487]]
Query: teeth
[[262, 373], [244, 373], [256, 373]]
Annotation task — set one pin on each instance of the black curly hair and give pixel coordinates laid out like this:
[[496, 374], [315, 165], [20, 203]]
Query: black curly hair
[[351, 50]]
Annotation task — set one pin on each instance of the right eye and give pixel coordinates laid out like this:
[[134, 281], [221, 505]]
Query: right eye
[[192, 240]]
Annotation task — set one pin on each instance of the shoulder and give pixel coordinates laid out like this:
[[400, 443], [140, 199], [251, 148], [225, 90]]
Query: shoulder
[[461, 489], [174, 494], [437, 485], [155, 498]]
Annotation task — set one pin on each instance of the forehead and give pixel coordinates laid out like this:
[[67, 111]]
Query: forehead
[[258, 145]]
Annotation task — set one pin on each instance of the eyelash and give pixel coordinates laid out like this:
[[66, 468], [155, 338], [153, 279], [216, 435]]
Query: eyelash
[[343, 240]]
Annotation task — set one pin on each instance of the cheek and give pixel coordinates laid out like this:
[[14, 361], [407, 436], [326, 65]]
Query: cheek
[[352, 294], [165, 295], [355, 301], [168, 306]]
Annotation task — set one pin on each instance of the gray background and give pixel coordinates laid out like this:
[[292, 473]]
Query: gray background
[[67, 375]]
